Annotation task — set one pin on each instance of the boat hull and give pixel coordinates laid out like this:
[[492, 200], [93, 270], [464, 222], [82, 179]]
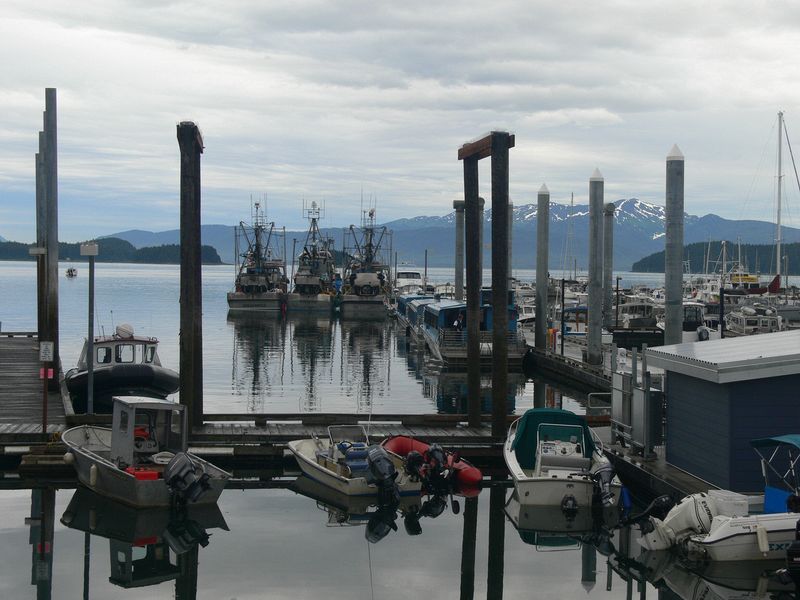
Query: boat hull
[[370, 307], [265, 302], [152, 381], [736, 538], [112, 482], [310, 302], [305, 453]]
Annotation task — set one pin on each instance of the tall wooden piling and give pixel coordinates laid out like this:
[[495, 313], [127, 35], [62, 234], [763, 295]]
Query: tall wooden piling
[[474, 276], [497, 539], [468, 544], [608, 264], [41, 241], [190, 142], [595, 317], [542, 258], [673, 251], [458, 205]]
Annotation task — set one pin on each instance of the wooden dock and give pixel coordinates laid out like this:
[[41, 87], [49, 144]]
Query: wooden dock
[[21, 392]]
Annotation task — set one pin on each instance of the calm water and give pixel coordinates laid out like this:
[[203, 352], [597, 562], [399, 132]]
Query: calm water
[[281, 544]]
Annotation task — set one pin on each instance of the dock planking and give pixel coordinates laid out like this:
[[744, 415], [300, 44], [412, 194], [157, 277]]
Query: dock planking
[[21, 392]]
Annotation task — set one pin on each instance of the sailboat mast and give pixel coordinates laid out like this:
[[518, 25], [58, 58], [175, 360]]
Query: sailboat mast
[[780, 182]]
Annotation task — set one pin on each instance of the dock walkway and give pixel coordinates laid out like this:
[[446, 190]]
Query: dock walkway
[[21, 391]]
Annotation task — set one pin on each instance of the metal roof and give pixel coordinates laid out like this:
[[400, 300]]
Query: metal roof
[[732, 359]]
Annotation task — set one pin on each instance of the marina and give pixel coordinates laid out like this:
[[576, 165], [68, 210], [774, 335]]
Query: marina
[[552, 438]]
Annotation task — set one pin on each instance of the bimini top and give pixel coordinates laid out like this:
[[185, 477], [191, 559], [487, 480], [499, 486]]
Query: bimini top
[[789, 439], [525, 442], [732, 359]]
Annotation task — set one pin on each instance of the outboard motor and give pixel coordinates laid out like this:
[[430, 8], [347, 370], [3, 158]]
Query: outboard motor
[[414, 464], [186, 479], [602, 475], [183, 535], [793, 556], [381, 523], [702, 333], [384, 474]]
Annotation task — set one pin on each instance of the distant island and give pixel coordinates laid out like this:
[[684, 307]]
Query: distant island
[[114, 250], [756, 258]]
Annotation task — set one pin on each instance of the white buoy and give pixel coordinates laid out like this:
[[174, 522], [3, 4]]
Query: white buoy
[[93, 475]]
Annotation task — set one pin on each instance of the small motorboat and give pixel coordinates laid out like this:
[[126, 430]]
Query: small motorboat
[[143, 460], [434, 466], [124, 365], [349, 464], [143, 543], [556, 460], [531, 521], [718, 525]]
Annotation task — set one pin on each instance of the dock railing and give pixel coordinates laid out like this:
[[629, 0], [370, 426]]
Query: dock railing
[[452, 339]]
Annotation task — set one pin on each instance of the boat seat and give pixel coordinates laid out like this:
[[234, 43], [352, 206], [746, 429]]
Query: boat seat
[[565, 461]]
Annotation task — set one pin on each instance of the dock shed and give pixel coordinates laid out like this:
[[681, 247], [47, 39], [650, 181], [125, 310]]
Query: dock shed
[[720, 394]]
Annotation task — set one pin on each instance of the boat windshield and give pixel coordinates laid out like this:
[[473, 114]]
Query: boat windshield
[[550, 432], [347, 433], [408, 275]]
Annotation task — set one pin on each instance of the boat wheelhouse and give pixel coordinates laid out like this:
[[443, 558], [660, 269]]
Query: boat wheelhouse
[[408, 280], [752, 319]]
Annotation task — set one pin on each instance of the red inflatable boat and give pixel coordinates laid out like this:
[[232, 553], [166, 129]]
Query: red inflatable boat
[[465, 474]]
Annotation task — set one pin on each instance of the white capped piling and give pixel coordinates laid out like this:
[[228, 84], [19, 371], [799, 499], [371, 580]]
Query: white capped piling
[[542, 258], [458, 205], [608, 264], [673, 256], [594, 354]]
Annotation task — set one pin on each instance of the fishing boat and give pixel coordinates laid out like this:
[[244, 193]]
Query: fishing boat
[[718, 525], [261, 282], [143, 459], [144, 544], [315, 279], [124, 364], [347, 463], [437, 468], [365, 283], [556, 460]]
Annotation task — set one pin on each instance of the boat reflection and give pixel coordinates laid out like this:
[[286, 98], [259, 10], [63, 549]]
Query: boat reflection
[[312, 342], [380, 520], [450, 391], [146, 546], [366, 361], [258, 355]]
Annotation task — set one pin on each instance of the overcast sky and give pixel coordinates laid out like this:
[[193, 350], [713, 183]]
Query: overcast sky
[[319, 100]]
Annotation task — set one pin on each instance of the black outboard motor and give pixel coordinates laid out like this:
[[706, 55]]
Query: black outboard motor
[[793, 556], [183, 535], [383, 474], [414, 463], [186, 479], [437, 459], [381, 523]]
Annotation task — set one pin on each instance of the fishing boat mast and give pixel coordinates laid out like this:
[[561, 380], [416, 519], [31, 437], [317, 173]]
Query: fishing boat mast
[[780, 182]]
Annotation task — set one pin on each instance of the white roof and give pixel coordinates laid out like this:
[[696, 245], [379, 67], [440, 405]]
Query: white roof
[[732, 359]]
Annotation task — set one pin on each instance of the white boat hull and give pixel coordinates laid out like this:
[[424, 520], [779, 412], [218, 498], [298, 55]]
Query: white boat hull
[[305, 453], [737, 538]]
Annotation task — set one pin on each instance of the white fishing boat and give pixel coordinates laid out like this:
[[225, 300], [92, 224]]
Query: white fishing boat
[[408, 280], [143, 460], [718, 525], [556, 460], [347, 463]]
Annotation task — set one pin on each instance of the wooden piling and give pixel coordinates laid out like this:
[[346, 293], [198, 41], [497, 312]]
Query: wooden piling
[[497, 538], [468, 548], [190, 142], [474, 275]]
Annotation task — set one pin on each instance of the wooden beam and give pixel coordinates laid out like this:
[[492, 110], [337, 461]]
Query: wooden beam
[[481, 148]]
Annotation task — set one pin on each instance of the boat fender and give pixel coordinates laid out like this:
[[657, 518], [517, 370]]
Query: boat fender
[[763, 539], [69, 458], [93, 475]]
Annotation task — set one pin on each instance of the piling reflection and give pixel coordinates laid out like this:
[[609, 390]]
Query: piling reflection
[[449, 391], [146, 546], [41, 522]]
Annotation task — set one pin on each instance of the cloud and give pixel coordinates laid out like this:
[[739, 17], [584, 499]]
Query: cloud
[[317, 100]]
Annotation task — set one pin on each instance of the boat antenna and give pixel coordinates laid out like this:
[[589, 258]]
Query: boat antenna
[[112, 321]]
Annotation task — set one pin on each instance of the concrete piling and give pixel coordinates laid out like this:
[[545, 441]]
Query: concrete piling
[[608, 264], [595, 320], [673, 256], [542, 258], [191, 301], [458, 205]]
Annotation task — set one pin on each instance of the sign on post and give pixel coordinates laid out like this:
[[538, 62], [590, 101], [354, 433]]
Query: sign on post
[[46, 351]]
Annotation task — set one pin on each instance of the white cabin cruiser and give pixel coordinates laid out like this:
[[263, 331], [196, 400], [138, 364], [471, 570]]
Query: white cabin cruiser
[[555, 460], [718, 524]]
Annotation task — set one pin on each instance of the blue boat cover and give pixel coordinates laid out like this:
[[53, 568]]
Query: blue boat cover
[[789, 439], [524, 444]]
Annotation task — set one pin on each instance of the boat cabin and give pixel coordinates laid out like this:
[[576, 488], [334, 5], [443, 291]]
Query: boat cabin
[[121, 348], [442, 316], [415, 310], [143, 427], [404, 299]]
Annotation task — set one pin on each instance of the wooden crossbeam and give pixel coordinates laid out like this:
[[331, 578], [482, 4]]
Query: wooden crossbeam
[[481, 148]]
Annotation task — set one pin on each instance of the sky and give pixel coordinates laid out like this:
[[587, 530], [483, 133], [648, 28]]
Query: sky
[[309, 100]]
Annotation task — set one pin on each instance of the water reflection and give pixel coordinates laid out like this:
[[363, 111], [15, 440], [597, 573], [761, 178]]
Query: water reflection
[[258, 350], [41, 522], [146, 546]]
